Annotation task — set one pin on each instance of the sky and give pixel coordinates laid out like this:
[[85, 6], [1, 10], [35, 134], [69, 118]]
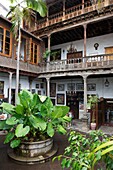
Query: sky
[[6, 3]]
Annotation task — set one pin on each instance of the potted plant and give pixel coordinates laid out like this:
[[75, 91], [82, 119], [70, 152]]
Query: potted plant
[[92, 100], [93, 119], [46, 54], [32, 124]]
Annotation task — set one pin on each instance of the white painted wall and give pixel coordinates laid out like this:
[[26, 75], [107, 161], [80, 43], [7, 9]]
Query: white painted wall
[[3, 9], [24, 81], [101, 90], [103, 41]]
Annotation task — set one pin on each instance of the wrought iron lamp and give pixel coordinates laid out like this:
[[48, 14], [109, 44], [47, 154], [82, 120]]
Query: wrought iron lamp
[[106, 83], [96, 45]]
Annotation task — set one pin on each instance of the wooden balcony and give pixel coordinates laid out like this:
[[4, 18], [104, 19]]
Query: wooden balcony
[[97, 62], [72, 13], [11, 64]]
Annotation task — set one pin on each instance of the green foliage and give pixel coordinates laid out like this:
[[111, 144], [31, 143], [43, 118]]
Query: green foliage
[[92, 99], [34, 117], [84, 151], [24, 10], [46, 54]]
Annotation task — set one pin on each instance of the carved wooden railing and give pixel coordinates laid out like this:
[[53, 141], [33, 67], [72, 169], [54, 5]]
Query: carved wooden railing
[[89, 62], [72, 12], [86, 63]]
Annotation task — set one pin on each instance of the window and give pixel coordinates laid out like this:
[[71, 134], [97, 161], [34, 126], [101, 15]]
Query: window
[[34, 53], [5, 41], [55, 55], [23, 49], [28, 51]]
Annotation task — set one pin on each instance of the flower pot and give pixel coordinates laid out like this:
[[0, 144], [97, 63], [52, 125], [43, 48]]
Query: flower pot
[[33, 149], [33, 152], [93, 126]]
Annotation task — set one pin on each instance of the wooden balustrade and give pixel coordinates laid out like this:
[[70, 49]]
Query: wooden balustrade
[[73, 12], [89, 62]]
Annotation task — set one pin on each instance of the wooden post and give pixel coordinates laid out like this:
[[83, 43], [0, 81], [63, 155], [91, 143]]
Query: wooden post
[[10, 85], [64, 8], [82, 6], [49, 45], [47, 15], [85, 27], [48, 86], [85, 95]]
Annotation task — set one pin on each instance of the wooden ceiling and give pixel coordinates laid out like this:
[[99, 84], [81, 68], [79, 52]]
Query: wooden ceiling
[[95, 29]]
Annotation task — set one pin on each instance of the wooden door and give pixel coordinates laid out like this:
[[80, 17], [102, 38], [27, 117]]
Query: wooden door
[[100, 113], [73, 103], [76, 56], [109, 50]]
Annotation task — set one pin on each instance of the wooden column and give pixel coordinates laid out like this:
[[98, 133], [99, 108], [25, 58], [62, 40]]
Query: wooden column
[[49, 45], [85, 96], [82, 6], [10, 85], [48, 86], [47, 15], [64, 8], [85, 27]]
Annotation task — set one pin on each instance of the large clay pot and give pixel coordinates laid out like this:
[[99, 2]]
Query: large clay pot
[[33, 152], [33, 149]]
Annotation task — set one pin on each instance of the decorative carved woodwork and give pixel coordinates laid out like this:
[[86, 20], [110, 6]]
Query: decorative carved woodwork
[[74, 55]]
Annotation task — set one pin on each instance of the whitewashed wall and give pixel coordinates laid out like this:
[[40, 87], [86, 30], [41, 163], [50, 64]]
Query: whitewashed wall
[[24, 81], [103, 41], [101, 90]]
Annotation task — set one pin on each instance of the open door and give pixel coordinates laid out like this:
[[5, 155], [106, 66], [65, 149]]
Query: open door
[[100, 113], [73, 103], [12, 96]]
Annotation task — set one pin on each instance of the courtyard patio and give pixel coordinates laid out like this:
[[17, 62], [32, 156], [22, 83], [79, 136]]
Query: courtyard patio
[[8, 164]]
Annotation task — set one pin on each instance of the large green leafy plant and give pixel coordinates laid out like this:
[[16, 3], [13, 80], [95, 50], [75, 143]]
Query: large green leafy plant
[[33, 118]]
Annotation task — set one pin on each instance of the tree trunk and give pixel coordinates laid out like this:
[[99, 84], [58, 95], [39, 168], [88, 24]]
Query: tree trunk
[[17, 69]]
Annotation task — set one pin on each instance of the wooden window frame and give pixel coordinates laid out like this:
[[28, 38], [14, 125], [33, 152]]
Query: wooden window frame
[[27, 56], [25, 49], [32, 62], [4, 42]]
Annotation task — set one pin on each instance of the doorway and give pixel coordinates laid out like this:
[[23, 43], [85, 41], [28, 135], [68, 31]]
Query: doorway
[[12, 96], [108, 118], [73, 103]]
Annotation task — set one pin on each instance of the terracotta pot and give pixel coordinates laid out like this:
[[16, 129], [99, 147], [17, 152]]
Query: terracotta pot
[[93, 126]]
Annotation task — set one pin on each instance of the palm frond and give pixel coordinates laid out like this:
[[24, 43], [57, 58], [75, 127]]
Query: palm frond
[[12, 1], [37, 5], [27, 13]]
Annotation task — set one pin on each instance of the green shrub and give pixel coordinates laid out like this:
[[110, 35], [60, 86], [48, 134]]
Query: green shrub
[[84, 151], [34, 118]]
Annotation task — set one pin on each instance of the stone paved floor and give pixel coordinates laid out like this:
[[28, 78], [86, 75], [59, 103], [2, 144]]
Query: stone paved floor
[[82, 126], [7, 164]]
